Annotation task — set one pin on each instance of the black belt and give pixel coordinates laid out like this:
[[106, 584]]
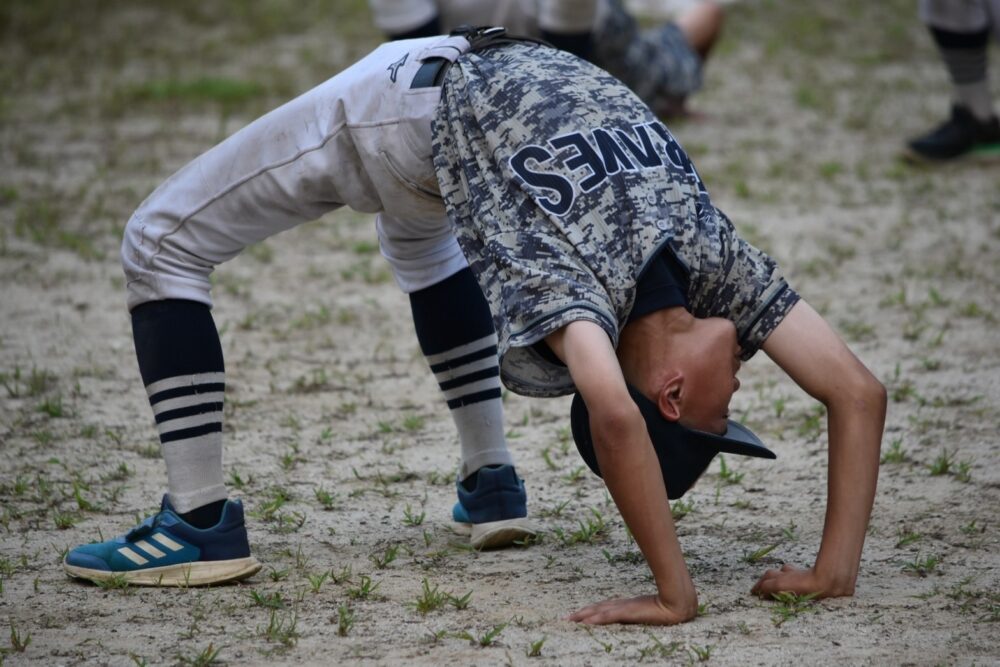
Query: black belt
[[432, 71]]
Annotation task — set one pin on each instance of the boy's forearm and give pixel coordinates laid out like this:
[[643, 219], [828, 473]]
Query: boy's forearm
[[631, 472], [628, 463], [817, 359], [855, 435]]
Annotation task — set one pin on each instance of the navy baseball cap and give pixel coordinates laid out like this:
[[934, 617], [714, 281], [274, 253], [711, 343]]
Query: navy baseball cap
[[684, 453]]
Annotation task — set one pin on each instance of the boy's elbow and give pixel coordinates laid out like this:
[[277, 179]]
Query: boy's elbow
[[870, 395], [613, 426], [882, 396], [859, 390]]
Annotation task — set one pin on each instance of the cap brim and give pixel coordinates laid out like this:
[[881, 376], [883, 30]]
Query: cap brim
[[737, 439], [683, 453]]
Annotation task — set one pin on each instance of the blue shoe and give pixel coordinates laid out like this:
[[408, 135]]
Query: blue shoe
[[164, 550], [492, 502]]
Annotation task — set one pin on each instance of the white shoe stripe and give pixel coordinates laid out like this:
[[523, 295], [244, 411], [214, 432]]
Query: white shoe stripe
[[189, 422], [184, 381], [167, 542], [187, 401], [150, 549], [462, 350], [132, 556]]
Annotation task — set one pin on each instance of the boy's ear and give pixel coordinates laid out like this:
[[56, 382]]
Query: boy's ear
[[668, 400]]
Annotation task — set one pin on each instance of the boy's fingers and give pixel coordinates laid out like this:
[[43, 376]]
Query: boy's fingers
[[598, 618], [789, 578], [592, 616], [764, 578], [582, 615], [589, 611], [773, 581], [766, 589], [643, 609]]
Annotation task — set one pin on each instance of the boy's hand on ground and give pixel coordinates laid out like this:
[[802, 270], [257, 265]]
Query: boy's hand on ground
[[801, 581], [646, 609]]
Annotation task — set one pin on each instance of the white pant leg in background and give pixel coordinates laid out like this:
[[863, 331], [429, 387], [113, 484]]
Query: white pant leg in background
[[961, 15]]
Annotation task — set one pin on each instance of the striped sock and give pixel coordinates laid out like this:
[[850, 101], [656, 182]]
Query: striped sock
[[180, 359], [965, 56], [469, 378], [455, 330], [188, 411]]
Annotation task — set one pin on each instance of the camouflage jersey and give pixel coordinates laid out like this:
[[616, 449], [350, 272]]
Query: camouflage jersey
[[561, 186]]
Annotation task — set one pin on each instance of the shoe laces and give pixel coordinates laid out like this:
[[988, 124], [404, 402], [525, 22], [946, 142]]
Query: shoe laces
[[148, 525]]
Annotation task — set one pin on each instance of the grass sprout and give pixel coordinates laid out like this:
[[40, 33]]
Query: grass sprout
[[791, 605], [922, 565]]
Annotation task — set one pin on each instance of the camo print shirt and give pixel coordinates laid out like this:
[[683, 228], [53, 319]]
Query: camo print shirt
[[561, 186]]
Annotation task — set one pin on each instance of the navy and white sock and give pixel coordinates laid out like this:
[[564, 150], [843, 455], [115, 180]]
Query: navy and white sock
[[965, 56], [456, 335], [180, 359]]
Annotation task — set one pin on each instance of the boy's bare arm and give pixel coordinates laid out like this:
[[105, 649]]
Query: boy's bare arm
[[632, 474], [817, 359]]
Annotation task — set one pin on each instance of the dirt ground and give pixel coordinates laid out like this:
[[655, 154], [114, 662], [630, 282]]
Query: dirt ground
[[336, 438]]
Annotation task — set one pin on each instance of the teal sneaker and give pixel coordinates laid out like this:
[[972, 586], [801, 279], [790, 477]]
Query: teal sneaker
[[164, 550], [493, 507]]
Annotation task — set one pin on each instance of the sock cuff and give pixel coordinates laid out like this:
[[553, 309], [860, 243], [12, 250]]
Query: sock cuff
[[976, 98], [948, 39], [187, 501], [482, 458]]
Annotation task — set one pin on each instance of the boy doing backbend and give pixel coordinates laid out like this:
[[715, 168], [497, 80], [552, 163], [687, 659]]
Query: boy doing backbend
[[604, 264]]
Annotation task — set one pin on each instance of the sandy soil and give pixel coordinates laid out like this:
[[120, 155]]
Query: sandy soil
[[336, 439]]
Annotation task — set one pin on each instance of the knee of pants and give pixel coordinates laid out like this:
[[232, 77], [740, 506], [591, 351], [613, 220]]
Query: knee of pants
[[418, 262], [154, 273], [966, 17]]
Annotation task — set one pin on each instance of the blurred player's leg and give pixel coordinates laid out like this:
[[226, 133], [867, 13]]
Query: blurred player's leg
[[961, 32], [663, 64], [701, 25]]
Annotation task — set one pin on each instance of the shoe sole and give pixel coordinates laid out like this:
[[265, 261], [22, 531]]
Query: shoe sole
[[498, 534], [988, 152], [183, 575]]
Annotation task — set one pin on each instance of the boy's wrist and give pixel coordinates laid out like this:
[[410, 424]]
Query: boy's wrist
[[683, 607], [835, 581], [681, 598]]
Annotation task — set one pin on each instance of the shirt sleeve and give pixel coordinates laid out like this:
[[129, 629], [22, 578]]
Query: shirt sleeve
[[736, 280]]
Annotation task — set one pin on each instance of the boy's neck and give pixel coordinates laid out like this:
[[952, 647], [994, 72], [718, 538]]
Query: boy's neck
[[646, 344]]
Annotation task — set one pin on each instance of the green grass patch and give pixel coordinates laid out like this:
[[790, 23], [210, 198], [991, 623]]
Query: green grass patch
[[43, 222], [229, 93]]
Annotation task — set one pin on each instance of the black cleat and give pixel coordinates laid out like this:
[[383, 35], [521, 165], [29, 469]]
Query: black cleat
[[960, 134]]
